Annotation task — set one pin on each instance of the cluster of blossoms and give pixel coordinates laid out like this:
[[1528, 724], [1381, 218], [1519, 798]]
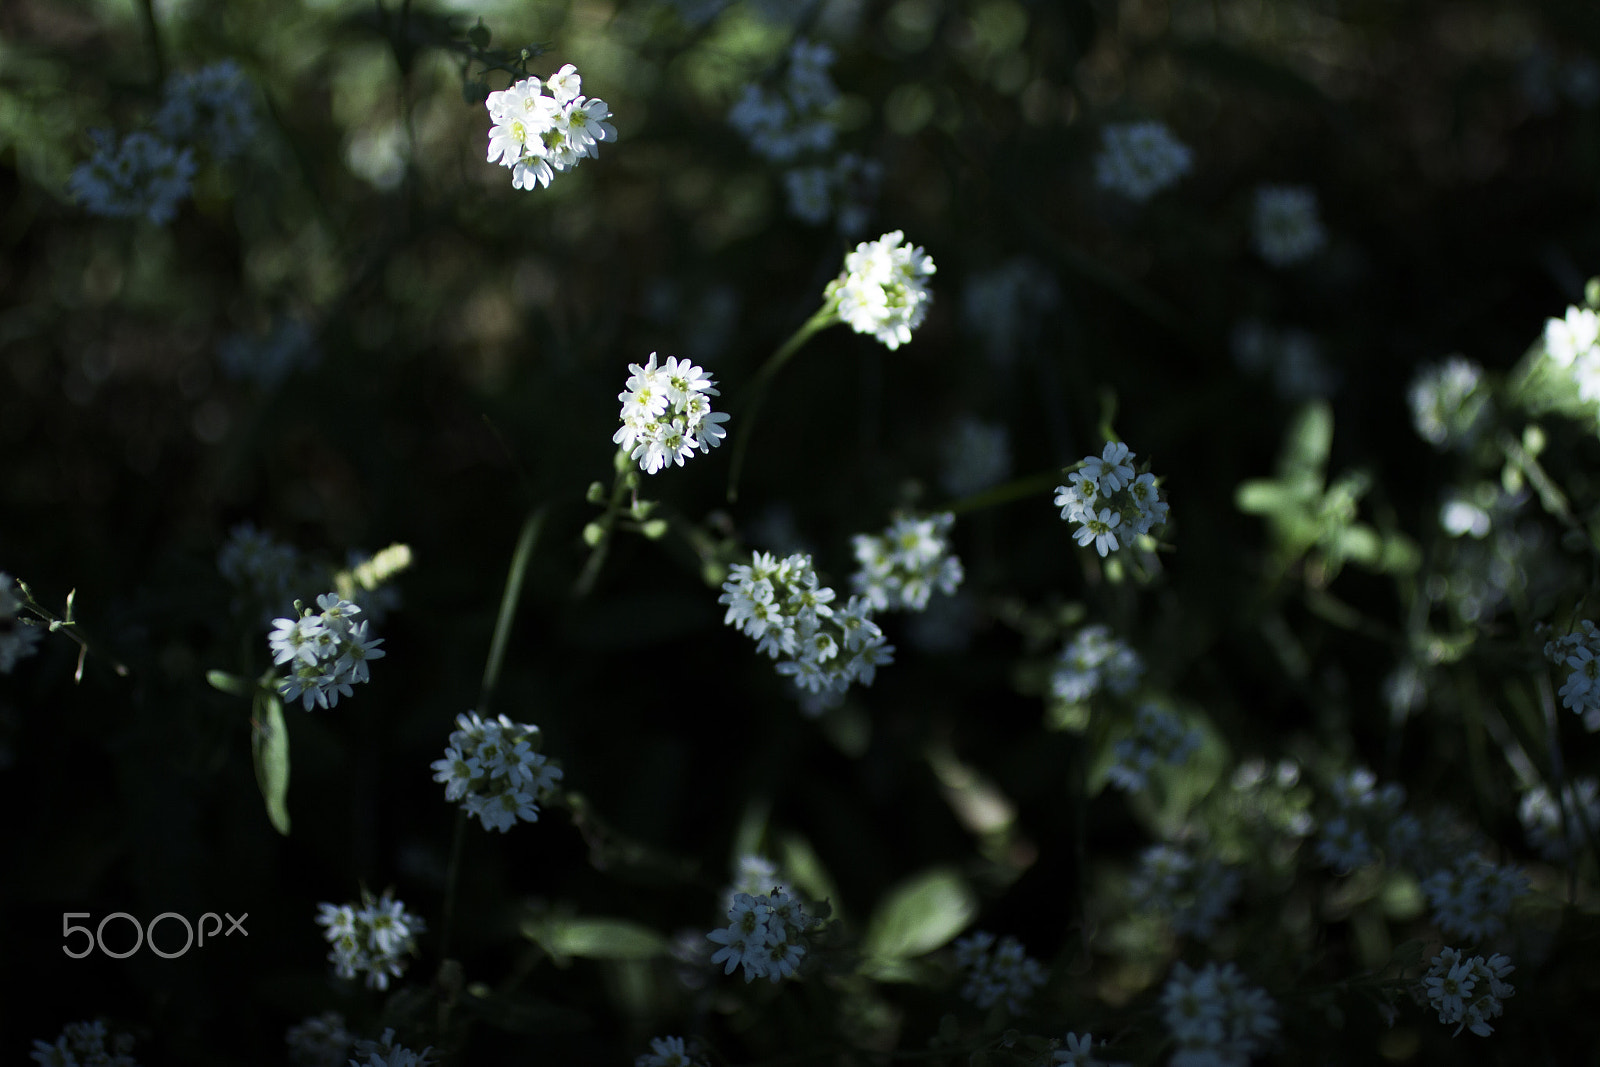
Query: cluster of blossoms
[[327, 651], [766, 935], [17, 637], [976, 454], [385, 1053], [1005, 975], [212, 107], [1139, 159], [1002, 308], [1079, 1052], [666, 416], [265, 570], [1363, 809], [1215, 1016], [1579, 650], [1468, 992], [83, 1044], [666, 1052], [791, 615], [145, 174], [494, 770], [139, 175], [1159, 737], [1107, 498], [537, 135], [781, 125], [883, 289], [1543, 821], [1450, 404], [373, 938], [1572, 344], [1292, 357], [320, 1041], [1473, 897], [268, 358], [1191, 894], [1094, 661], [901, 567], [1285, 224]]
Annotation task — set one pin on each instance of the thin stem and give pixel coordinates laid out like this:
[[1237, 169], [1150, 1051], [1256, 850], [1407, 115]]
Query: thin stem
[[147, 9], [508, 606], [608, 524], [826, 316], [1032, 485], [66, 626]]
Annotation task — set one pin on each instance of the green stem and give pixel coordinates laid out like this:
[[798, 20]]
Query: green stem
[[66, 626], [1032, 485], [608, 524], [826, 316], [508, 606], [147, 9]]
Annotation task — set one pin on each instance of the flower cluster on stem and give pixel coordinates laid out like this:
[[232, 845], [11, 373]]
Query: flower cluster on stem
[[326, 651], [765, 935], [1139, 159], [1216, 1018], [998, 973], [493, 769], [373, 939], [537, 135], [1111, 502], [783, 605], [903, 566], [666, 413], [1468, 991], [883, 289]]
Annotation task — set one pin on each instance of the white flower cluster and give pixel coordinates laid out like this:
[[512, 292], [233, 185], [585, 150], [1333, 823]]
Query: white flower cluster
[[782, 125], [1468, 992], [373, 938], [766, 935], [1450, 404], [1079, 1052], [1292, 357], [1190, 893], [976, 454], [1216, 1018], [327, 651], [666, 416], [139, 175], [18, 637], [268, 358], [1285, 224], [1473, 897], [791, 615], [83, 1044], [1006, 975], [1542, 820], [1572, 343], [385, 1053], [1107, 498], [883, 289], [213, 107], [1159, 737], [537, 135], [1580, 650], [1139, 159], [1346, 841], [666, 1052], [494, 770], [901, 567], [210, 110], [320, 1041], [1094, 661]]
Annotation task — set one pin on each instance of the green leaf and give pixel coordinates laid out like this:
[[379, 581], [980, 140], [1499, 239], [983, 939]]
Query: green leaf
[[1310, 440], [231, 684], [919, 915], [595, 939], [269, 744]]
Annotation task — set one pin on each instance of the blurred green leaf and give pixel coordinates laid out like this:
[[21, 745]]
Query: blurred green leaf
[[598, 939], [919, 915], [269, 744], [231, 684]]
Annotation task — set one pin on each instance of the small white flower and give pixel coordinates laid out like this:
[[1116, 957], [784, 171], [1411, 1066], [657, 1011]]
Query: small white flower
[[883, 289], [1139, 159], [1286, 226]]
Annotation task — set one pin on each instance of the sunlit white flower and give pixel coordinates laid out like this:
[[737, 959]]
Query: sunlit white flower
[[883, 289], [538, 136], [666, 413]]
